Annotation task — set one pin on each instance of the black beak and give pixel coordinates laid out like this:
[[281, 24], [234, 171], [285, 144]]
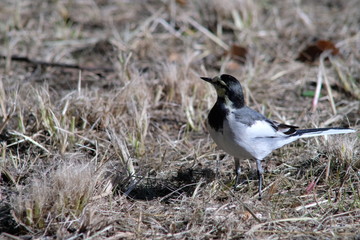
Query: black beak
[[206, 79]]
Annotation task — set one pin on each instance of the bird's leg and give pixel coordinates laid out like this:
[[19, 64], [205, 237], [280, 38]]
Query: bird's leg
[[260, 172], [237, 171]]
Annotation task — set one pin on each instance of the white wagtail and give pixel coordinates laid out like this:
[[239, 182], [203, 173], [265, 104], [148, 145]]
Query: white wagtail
[[246, 134]]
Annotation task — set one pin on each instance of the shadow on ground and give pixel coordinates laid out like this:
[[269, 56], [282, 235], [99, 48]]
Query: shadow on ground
[[184, 182]]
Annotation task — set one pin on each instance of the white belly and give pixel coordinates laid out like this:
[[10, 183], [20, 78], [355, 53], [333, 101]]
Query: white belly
[[225, 141], [248, 142]]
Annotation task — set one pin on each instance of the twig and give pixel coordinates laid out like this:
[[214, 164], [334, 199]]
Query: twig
[[318, 89], [328, 87], [247, 208], [26, 138], [9, 236], [207, 33], [314, 204], [177, 191], [254, 228], [59, 65], [320, 78]]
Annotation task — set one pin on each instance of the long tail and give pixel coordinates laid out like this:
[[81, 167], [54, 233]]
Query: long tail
[[304, 133]]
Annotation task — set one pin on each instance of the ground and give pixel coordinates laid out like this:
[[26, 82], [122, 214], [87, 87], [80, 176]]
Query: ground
[[102, 119]]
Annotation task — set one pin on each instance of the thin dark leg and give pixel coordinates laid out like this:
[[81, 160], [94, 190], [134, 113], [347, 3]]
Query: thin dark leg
[[237, 171], [260, 172]]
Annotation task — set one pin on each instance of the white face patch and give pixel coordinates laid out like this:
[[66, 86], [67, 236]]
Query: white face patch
[[228, 102], [220, 86], [222, 83]]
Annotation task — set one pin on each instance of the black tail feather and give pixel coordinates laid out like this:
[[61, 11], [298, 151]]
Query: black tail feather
[[322, 131]]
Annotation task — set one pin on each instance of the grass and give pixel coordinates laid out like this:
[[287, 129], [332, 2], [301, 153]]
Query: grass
[[103, 136]]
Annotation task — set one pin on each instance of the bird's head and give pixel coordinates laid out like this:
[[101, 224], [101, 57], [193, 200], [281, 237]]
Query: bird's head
[[228, 88]]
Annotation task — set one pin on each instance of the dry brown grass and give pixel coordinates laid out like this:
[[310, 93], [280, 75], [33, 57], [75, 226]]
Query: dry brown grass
[[125, 154]]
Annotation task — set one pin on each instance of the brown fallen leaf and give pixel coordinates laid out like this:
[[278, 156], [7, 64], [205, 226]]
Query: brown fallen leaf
[[181, 2], [310, 187], [312, 52], [327, 45], [238, 53], [246, 216], [273, 189]]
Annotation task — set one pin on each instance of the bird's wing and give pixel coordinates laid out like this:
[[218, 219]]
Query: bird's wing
[[259, 126], [284, 128]]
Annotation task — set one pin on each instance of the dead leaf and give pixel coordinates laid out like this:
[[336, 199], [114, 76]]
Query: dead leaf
[[238, 53], [181, 2], [312, 52], [310, 187], [273, 189], [246, 216], [327, 45]]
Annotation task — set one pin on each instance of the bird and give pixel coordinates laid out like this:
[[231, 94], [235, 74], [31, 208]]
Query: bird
[[247, 134]]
